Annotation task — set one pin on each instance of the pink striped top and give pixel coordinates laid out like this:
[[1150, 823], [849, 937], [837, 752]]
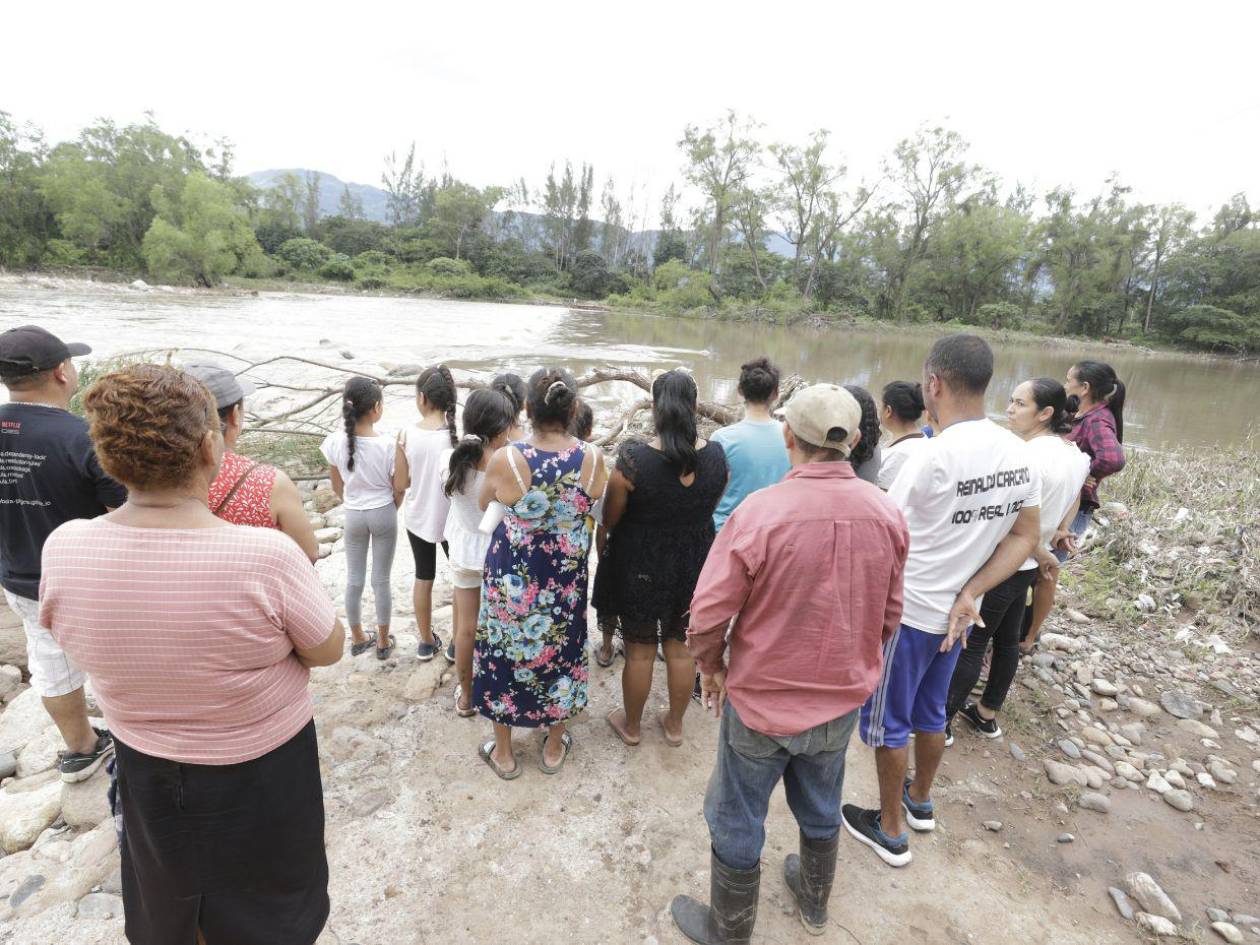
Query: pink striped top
[[188, 635]]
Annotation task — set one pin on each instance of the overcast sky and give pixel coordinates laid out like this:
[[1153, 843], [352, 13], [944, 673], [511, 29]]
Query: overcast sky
[[1166, 94]]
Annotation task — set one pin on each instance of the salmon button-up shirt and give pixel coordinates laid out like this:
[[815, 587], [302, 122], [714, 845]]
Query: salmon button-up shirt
[[810, 569]]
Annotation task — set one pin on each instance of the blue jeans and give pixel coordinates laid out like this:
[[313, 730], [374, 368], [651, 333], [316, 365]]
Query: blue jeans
[[748, 767], [1081, 522]]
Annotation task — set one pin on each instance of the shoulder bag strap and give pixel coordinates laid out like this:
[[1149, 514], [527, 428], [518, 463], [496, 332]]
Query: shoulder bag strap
[[231, 492]]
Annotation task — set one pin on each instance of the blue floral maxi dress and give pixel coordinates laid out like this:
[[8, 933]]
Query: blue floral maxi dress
[[529, 659]]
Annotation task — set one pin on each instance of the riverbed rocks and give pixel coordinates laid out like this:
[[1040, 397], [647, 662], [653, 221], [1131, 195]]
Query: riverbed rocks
[[1092, 800], [26, 811], [1180, 704], [1151, 897], [23, 720], [1179, 799], [10, 682]]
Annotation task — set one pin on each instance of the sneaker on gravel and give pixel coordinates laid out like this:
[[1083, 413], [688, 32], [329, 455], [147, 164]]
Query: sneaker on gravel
[[987, 727], [79, 766], [449, 652], [949, 734], [919, 816], [863, 826], [426, 651]]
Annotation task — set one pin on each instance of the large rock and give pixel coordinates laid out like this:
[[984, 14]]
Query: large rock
[[1196, 728], [1180, 704], [1091, 800], [100, 905], [25, 814], [1181, 800], [1156, 924], [10, 681], [89, 865], [40, 753], [22, 721], [1141, 707], [1151, 897], [86, 803]]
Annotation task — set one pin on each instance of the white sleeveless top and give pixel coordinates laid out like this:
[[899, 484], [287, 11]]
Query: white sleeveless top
[[467, 543], [426, 506]]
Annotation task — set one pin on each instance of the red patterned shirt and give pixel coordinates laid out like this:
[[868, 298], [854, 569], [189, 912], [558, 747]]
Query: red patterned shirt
[[1095, 435], [250, 504]]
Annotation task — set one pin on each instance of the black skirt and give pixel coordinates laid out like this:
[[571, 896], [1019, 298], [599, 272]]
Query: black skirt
[[235, 850]]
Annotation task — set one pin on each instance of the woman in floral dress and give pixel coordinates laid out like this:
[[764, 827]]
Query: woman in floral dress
[[529, 661]]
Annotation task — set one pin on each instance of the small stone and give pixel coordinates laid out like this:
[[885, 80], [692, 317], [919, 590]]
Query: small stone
[[1226, 931], [1142, 707], [1205, 780], [1222, 772], [27, 888], [1103, 687], [1127, 771], [1180, 704], [1155, 924], [1151, 897], [1241, 918], [994, 825], [1108, 705], [1016, 752], [10, 681], [1068, 838], [327, 536], [1195, 727], [100, 905], [1145, 603], [1174, 778], [1117, 895], [370, 802], [1076, 616], [1068, 747], [1133, 731], [1095, 802], [1182, 800], [1098, 761], [1095, 735], [1217, 915]]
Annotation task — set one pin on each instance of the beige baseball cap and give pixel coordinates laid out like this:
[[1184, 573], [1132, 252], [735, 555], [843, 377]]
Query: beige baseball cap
[[824, 415]]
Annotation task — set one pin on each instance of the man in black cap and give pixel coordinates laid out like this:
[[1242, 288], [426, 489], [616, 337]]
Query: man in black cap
[[245, 492], [48, 475]]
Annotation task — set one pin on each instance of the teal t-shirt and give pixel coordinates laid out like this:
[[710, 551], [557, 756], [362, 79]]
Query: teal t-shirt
[[755, 458]]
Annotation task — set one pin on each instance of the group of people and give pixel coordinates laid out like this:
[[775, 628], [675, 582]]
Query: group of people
[[815, 580]]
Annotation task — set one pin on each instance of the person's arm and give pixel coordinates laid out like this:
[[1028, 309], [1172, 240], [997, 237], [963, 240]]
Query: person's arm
[[326, 653], [339, 487], [290, 517], [306, 611], [1063, 538], [499, 484], [402, 470], [616, 495], [895, 602], [1011, 552], [1108, 453]]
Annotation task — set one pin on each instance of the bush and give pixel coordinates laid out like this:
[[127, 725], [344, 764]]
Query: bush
[[371, 280], [589, 276], [372, 259], [338, 267], [445, 266], [682, 288], [64, 253], [303, 253], [999, 315]]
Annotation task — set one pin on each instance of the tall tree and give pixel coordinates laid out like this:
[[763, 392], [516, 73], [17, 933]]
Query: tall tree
[[805, 181], [310, 200], [720, 159], [350, 205], [404, 186], [1172, 229]]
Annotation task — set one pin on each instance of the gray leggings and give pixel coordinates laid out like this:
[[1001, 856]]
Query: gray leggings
[[380, 527]]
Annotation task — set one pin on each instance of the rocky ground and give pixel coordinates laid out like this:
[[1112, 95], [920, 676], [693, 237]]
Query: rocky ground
[[1121, 804]]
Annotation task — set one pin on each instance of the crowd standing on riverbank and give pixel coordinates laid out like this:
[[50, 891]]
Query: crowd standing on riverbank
[[811, 601]]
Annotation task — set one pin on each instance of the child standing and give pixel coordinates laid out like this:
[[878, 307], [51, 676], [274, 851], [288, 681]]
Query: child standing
[[488, 418], [419, 471], [362, 471]]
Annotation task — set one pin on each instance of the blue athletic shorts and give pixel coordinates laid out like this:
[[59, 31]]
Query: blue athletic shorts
[[912, 689]]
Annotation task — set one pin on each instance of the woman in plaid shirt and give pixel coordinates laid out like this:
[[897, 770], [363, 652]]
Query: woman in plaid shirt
[[1099, 428]]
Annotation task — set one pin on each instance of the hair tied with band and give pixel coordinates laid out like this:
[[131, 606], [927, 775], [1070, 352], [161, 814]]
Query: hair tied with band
[[470, 438], [555, 388]]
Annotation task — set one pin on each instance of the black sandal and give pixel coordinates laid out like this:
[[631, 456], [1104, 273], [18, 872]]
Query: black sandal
[[384, 654], [362, 646]]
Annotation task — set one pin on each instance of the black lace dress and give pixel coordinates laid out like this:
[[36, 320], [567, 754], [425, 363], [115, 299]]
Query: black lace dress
[[648, 572]]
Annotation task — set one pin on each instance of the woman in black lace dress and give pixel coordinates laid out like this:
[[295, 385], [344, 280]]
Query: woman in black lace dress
[[659, 515]]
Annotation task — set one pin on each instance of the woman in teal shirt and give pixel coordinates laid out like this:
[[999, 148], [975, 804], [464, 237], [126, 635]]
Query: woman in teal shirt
[[755, 453]]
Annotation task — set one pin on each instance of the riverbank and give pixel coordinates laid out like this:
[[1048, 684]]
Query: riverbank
[[1131, 746]]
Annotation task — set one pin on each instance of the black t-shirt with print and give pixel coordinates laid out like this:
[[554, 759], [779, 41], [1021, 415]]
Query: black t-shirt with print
[[48, 475]]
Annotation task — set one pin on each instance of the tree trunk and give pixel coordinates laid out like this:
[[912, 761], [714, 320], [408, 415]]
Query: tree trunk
[[1150, 297]]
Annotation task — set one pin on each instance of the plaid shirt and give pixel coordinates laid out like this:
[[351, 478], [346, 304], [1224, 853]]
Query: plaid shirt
[[1095, 435]]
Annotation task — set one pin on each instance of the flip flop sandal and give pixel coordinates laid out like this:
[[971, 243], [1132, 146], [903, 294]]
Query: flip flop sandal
[[624, 740], [566, 742], [669, 739], [486, 751], [363, 647], [388, 651], [463, 713], [612, 656]]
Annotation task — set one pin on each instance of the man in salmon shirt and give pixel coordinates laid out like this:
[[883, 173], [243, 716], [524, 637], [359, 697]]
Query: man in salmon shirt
[[808, 576]]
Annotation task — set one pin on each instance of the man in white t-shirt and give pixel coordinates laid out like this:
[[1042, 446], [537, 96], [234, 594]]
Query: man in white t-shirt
[[970, 497]]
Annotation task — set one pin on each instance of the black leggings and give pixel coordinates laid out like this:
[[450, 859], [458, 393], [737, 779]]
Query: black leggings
[[1003, 614], [425, 555]]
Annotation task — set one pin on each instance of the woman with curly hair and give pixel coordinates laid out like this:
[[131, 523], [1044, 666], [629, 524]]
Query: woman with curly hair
[[867, 456], [199, 637]]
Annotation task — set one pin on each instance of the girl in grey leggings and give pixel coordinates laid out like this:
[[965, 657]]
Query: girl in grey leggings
[[380, 527]]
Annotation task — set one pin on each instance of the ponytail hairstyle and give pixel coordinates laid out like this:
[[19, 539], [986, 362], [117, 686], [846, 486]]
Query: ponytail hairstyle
[[1105, 387], [359, 398], [552, 398], [1047, 392], [674, 398], [869, 425], [904, 399], [513, 387], [758, 381], [438, 388], [583, 422], [487, 415]]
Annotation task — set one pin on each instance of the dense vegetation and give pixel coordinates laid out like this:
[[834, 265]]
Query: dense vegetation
[[754, 230]]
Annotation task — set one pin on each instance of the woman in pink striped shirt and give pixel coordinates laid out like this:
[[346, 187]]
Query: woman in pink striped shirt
[[199, 637]]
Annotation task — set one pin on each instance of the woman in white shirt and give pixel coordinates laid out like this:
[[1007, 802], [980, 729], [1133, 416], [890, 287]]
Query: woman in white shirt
[[1038, 414], [361, 465], [418, 469], [488, 418], [901, 413]]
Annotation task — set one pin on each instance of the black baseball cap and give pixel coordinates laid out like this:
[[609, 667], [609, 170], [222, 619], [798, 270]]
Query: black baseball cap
[[30, 349]]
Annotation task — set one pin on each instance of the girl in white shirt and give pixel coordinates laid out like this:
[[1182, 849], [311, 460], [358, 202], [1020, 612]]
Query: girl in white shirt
[[488, 418], [418, 469], [361, 465], [900, 414]]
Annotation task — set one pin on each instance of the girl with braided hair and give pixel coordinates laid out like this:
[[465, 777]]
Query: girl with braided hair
[[418, 471], [361, 467]]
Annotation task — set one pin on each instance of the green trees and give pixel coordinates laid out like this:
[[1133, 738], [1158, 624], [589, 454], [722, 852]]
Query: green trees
[[199, 234], [26, 220]]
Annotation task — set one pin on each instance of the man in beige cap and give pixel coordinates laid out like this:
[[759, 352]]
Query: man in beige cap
[[807, 575]]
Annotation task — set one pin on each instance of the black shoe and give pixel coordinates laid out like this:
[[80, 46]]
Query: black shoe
[[987, 727], [77, 766], [730, 918], [426, 651], [949, 734], [809, 878], [863, 825], [697, 694], [449, 652]]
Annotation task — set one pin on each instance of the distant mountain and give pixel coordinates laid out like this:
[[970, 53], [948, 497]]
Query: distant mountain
[[330, 189], [526, 226]]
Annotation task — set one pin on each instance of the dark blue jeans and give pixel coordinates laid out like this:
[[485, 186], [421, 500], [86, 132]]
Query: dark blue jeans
[[748, 767]]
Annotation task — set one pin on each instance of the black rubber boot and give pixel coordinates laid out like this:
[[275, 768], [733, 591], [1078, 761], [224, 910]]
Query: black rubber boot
[[809, 878], [732, 912]]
